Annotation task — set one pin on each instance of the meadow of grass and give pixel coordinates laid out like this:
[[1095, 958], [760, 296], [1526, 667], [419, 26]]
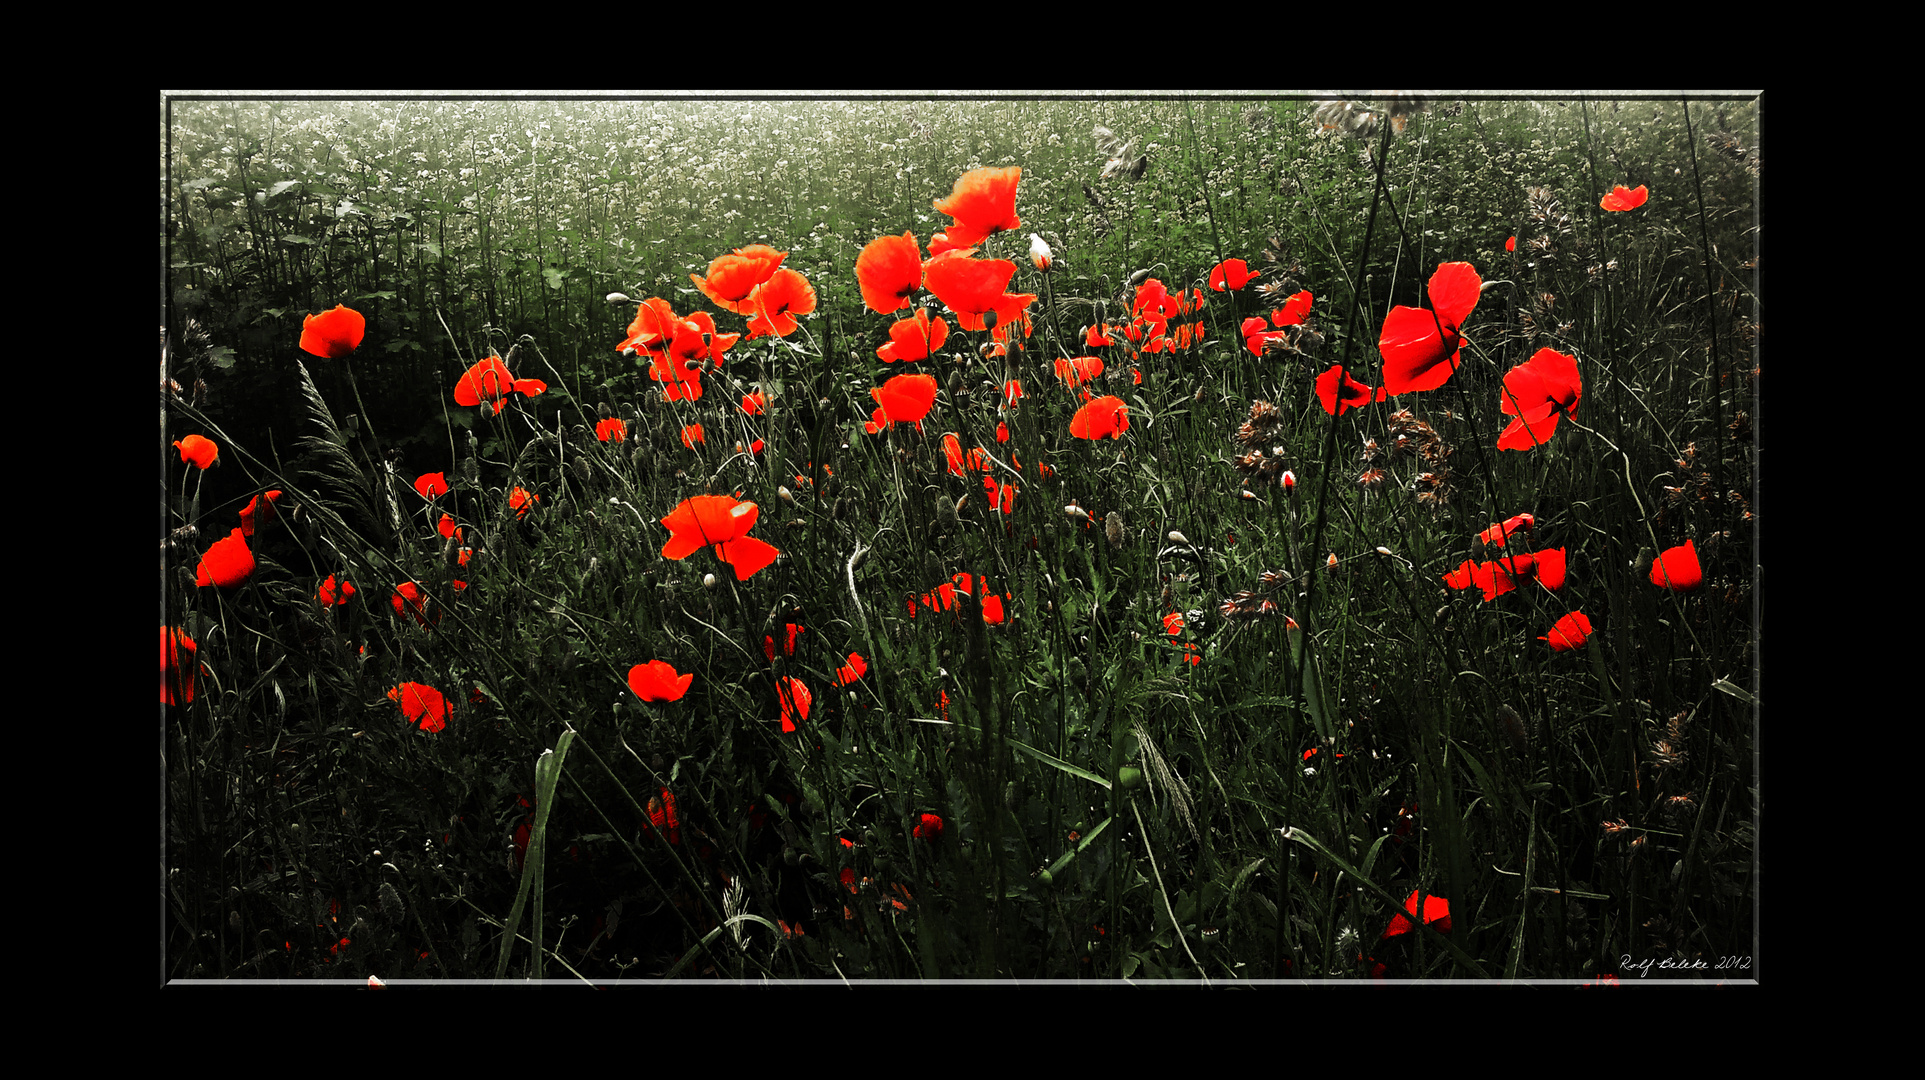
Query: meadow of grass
[[1307, 513]]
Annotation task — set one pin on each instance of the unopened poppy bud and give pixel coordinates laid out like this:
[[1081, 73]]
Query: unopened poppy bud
[[1039, 252], [708, 581], [785, 495], [1383, 551], [1178, 538], [1331, 565], [619, 298], [1290, 481], [1076, 512]]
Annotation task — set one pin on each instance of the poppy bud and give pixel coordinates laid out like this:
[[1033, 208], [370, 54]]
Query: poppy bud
[[619, 298], [1178, 538], [1039, 252], [708, 581]]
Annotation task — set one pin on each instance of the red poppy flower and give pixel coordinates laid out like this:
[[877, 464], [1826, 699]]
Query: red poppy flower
[[649, 331], [720, 522], [227, 563], [1570, 632], [1104, 417], [788, 645], [1097, 335], [423, 705], [1511, 244], [612, 430], [1001, 496], [1355, 394], [889, 270], [1436, 912], [929, 829], [778, 301], [1623, 198], [993, 607], [446, 527], [732, 278], [1551, 568], [1677, 569], [332, 592], [855, 669], [969, 286], [431, 485], [1077, 371], [755, 404], [521, 501], [408, 599], [198, 450], [1420, 347], [795, 700], [1257, 335], [983, 203], [176, 674], [691, 435], [1294, 311], [661, 814], [657, 681], [263, 505], [906, 399], [914, 339], [489, 383], [333, 334], [1232, 274], [1537, 392], [1497, 533], [1012, 393]]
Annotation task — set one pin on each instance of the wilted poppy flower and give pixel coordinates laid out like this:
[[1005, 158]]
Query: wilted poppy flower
[[1355, 394], [1104, 417], [722, 523], [431, 485], [1232, 274], [333, 334], [198, 450], [521, 501], [422, 705], [889, 270], [489, 383], [1436, 913], [612, 430], [1294, 311], [906, 399], [661, 814], [1677, 569], [915, 338], [1537, 392], [778, 301], [1570, 632], [755, 404], [227, 563], [333, 592], [691, 435], [795, 699], [657, 681], [1623, 198], [929, 829], [855, 669], [177, 671], [983, 203], [1079, 370], [732, 278], [1496, 534], [262, 505], [1039, 252], [1420, 347]]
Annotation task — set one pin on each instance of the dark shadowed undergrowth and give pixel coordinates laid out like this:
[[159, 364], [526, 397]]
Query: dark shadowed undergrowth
[[1190, 539]]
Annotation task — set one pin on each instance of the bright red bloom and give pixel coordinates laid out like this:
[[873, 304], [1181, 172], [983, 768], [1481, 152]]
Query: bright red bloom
[[612, 430], [720, 522], [489, 383], [408, 599], [1097, 335], [431, 485], [1257, 335], [332, 593], [1436, 911], [649, 331], [993, 607], [778, 301], [906, 399], [1012, 393], [447, 527], [929, 829], [1002, 431], [1570, 632], [1104, 417], [657, 681], [521, 501], [1497, 533], [423, 705], [265, 509], [915, 338], [1001, 496], [1232, 274], [177, 674], [1075, 372], [692, 434], [788, 646], [732, 278], [1537, 392], [198, 450], [795, 699], [1355, 394], [1623, 198], [1678, 569], [855, 669], [1511, 244], [1294, 311], [983, 203], [1420, 348], [1551, 568], [889, 270], [971, 287], [755, 404], [333, 334], [227, 563]]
